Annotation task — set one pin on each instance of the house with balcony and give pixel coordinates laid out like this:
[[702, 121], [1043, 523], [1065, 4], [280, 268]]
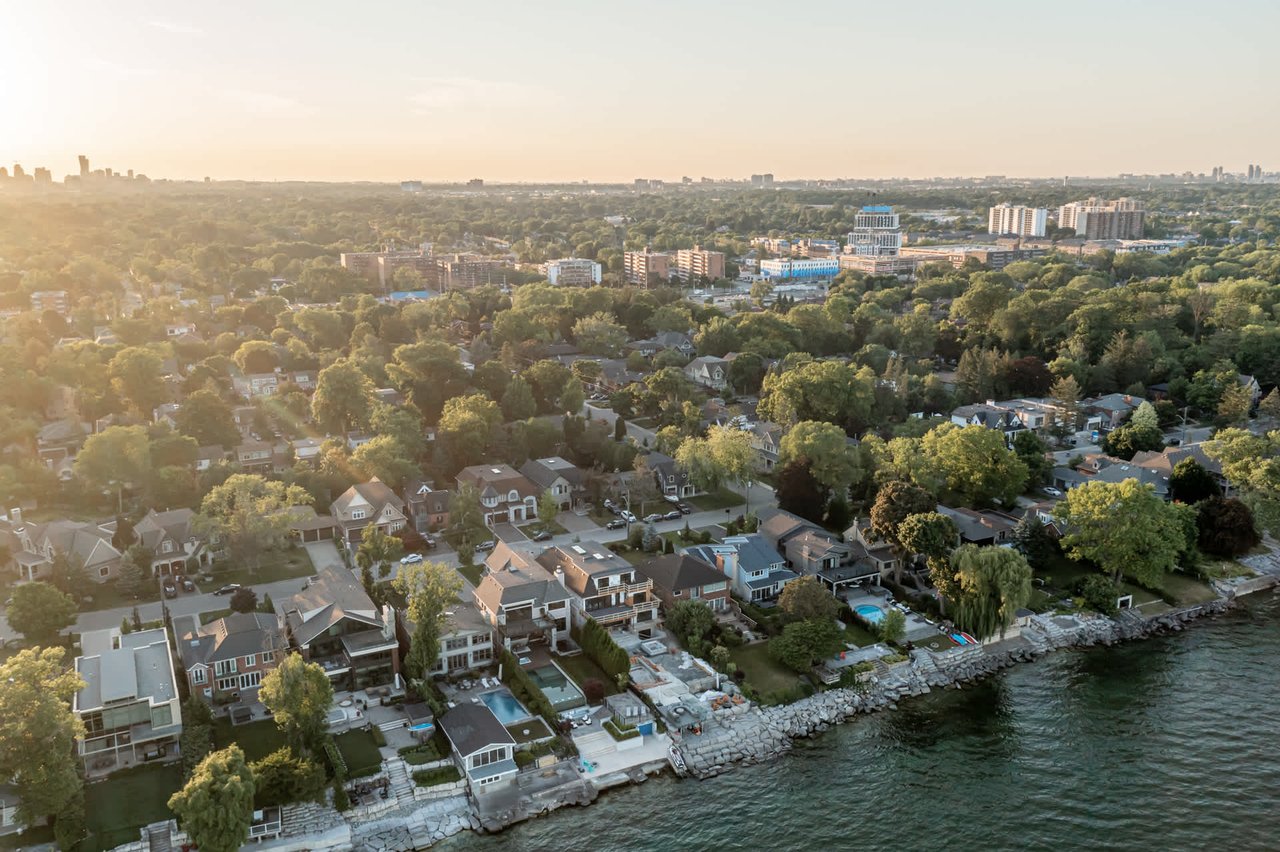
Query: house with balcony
[[564, 479], [482, 749], [810, 549], [865, 547], [129, 703], [467, 640], [231, 654], [426, 506], [334, 623], [756, 571], [371, 503], [255, 456], [523, 601], [604, 587], [506, 495], [680, 577]]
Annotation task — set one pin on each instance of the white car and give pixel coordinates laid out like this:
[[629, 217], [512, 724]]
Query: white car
[[628, 516], [1052, 492], [411, 558]]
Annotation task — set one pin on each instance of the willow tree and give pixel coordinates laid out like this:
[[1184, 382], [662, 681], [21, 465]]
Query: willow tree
[[991, 584]]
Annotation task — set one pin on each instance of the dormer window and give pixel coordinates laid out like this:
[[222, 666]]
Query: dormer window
[[167, 547], [357, 514], [513, 496]]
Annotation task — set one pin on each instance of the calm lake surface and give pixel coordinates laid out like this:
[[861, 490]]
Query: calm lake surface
[[1169, 743]]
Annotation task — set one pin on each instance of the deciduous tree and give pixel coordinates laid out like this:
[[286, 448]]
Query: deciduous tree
[[215, 807], [41, 612], [807, 598], [299, 696], [1190, 482], [992, 583], [825, 447], [250, 514], [1124, 528], [429, 588]]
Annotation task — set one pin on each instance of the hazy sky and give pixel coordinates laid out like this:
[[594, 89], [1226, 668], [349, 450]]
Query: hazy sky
[[606, 90]]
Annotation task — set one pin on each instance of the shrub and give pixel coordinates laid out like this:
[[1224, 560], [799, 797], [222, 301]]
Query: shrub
[[599, 646], [524, 758], [336, 763], [437, 776], [280, 778], [1099, 593], [195, 744], [620, 733], [379, 738], [341, 802], [593, 689]]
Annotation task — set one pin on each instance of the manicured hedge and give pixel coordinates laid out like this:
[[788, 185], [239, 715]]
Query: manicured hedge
[[598, 645]]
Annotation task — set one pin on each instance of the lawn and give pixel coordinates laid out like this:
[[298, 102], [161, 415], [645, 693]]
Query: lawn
[[107, 596], [537, 729], [116, 808], [722, 499], [856, 634], [1187, 590], [272, 567], [206, 617], [256, 739], [360, 753], [473, 573], [538, 526], [764, 673], [582, 668], [936, 643]]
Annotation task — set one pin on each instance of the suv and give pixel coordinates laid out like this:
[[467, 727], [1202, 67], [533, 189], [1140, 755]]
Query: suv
[[615, 524], [628, 516], [486, 546], [170, 591]]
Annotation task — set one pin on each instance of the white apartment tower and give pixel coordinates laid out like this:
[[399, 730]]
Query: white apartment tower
[[1009, 218], [875, 232]]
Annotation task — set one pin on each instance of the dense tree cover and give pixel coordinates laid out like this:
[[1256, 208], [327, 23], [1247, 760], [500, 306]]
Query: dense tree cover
[[250, 514], [807, 598], [1190, 482], [985, 587], [215, 806], [299, 696], [1124, 528], [1226, 527]]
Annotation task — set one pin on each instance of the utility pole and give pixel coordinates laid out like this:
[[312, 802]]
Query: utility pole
[[1184, 425]]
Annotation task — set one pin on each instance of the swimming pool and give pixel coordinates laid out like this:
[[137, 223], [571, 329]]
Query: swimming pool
[[560, 691], [872, 614], [505, 706]]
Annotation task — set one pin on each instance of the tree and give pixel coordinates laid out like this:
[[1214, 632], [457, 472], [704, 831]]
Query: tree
[[1190, 483], [1234, 404], [1031, 537], [377, 549], [137, 376], [928, 534], [599, 334], [387, 459], [215, 807], [548, 507], [38, 731], [895, 502], [250, 514], [429, 588], [135, 570], [41, 612], [892, 627], [1252, 464], [1144, 416], [690, 621], [572, 397], [725, 455], [1123, 527], [1128, 440], [799, 492], [1226, 527], [805, 598], [619, 429], [343, 397], [299, 696], [992, 583], [517, 401], [115, 457], [124, 536], [1066, 395], [282, 778], [978, 467], [466, 427], [803, 643], [244, 599], [1032, 451], [429, 372], [826, 448]]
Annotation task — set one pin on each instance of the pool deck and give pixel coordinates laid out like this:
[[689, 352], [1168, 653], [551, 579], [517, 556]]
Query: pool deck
[[917, 629]]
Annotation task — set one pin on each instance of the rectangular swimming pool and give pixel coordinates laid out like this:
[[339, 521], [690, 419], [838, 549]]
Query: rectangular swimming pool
[[505, 706], [560, 691]]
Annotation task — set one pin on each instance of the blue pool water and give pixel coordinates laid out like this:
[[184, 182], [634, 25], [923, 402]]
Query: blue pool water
[[873, 614], [959, 640], [505, 707]]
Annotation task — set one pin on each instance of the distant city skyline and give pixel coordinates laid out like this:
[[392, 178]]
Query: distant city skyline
[[551, 92]]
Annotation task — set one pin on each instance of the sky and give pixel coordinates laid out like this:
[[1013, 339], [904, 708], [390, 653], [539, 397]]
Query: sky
[[558, 90]]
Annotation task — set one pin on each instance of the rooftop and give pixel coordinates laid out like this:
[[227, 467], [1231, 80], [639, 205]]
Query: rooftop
[[118, 668]]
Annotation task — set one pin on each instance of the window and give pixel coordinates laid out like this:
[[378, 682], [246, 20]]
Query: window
[[455, 644], [222, 667], [268, 656], [250, 661], [162, 716], [485, 758], [226, 684], [357, 514], [199, 675], [249, 680], [480, 655], [104, 571], [457, 661]]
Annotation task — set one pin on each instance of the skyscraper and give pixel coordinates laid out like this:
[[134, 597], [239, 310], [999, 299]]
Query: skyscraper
[[1008, 218], [84, 166], [875, 232]]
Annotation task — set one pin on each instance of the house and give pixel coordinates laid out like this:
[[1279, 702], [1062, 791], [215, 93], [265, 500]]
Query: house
[[506, 495], [680, 577], [756, 571], [671, 478], [809, 549], [389, 396], [766, 438], [1098, 467], [482, 749], [523, 601], [1164, 461], [179, 329], [334, 623], [981, 527], [255, 385], [990, 416], [467, 640], [59, 440], [604, 586], [129, 703], [173, 541], [34, 547], [306, 524], [306, 450], [208, 456], [708, 371], [1108, 412], [255, 456], [426, 506], [664, 341], [9, 800], [864, 546], [230, 654], [565, 480], [368, 503]]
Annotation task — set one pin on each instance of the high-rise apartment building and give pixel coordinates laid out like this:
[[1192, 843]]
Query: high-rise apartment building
[[644, 267], [84, 165], [876, 232], [1095, 219], [697, 262], [764, 181], [572, 272], [1009, 218]]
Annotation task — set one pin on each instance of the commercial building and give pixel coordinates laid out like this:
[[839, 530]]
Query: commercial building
[[1095, 219], [465, 271], [876, 231], [816, 248], [381, 266], [1009, 218], [868, 264], [698, 262], [765, 181], [646, 267], [996, 257], [572, 272], [1133, 246], [50, 300], [818, 267]]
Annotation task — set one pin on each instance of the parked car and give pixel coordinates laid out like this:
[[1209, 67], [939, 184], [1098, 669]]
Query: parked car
[[429, 542], [486, 546], [542, 535], [615, 524], [410, 558], [627, 516], [608, 504], [673, 515], [1052, 492], [652, 518], [187, 585], [671, 498], [228, 589], [170, 591], [685, 509]]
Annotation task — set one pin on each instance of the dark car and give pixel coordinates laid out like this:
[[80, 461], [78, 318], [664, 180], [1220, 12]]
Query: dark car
[[673, 515], [615, 524], [187, 585], [228, 589], [486, 546], [544, 535], [170, 591], [685, 509]]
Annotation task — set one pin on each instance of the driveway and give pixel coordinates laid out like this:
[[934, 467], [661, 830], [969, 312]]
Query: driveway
[[580, 524], [324, 554]]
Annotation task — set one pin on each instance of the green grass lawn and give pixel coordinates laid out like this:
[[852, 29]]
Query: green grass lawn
[[256, 739], [1186, 589], [206, 617], [764, 673], [858, 635], [272, 567], [107, 596], [936, 643], [582, 668], [473, 573], [538, 526], [360, 752], [116, 808], [29, 838], [722, 499], [537, 729]]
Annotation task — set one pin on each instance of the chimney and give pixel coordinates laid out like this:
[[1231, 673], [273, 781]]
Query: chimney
[[559, 575]]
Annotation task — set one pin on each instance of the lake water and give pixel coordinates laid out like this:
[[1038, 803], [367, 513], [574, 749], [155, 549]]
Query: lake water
[[1170, 743]]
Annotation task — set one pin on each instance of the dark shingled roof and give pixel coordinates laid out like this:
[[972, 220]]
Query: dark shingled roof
[[473, 727]]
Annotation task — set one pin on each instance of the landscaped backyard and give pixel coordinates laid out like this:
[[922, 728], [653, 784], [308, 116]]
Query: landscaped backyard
[[764, 673], [256, 739], [582, 668], [116, 808], [360, 753]]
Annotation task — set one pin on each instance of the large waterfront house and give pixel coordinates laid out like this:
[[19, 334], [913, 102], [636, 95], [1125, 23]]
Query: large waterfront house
[[605, 587], [466, 639], [229, 655], [680, 577], [523, 601], [482, 749], [756, 571]]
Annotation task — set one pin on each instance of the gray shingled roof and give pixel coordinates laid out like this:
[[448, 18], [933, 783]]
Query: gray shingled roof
[[473, 727]]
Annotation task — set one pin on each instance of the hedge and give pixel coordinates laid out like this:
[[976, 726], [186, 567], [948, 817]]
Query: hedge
[[617, 733], [434, 777], [599, 646]]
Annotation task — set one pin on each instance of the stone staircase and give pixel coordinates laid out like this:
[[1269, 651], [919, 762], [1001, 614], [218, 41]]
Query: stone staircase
[[307, 818], [159, 838], [401, 781], [593, 744], [393, 725]]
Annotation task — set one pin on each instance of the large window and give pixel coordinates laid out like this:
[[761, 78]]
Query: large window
[[484, 758], [222, 667], [162, 716], [199, 675], [357, 515], [250, 660], [248, 680]]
